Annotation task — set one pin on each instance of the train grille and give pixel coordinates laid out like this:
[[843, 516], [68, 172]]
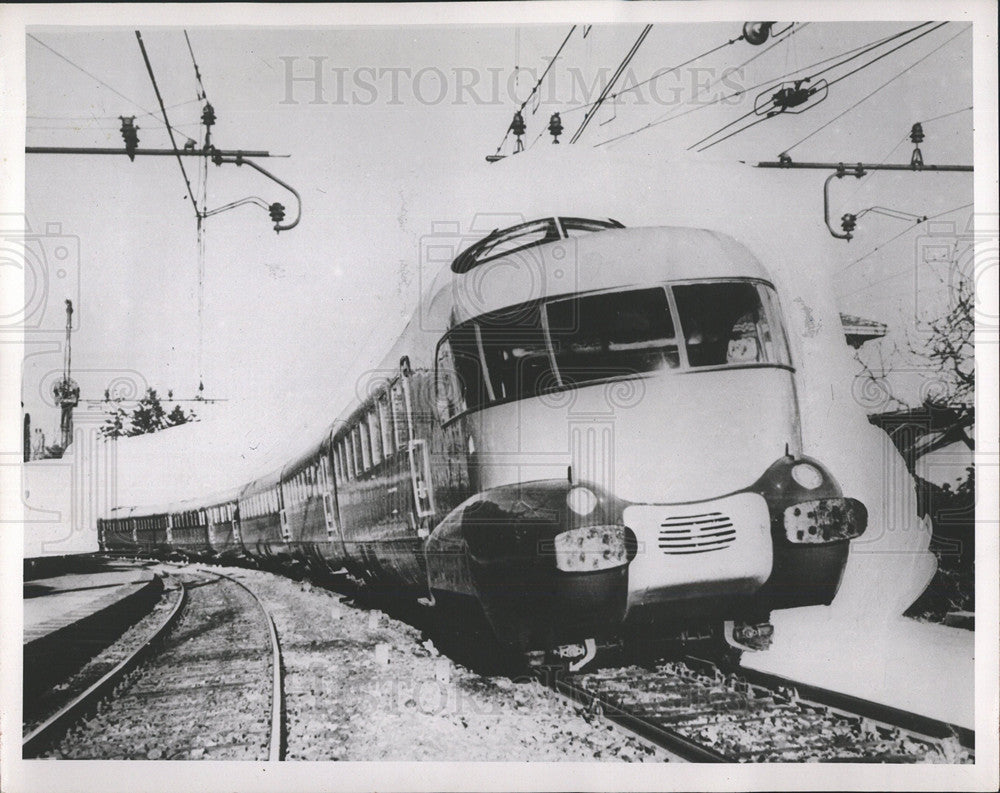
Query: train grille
[[701, 533]]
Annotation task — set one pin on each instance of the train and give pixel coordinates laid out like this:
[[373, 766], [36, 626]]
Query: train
[[587, 432]]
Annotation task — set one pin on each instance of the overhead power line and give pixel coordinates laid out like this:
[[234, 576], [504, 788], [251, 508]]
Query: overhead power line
[[538, 84], [611, 83], [173, 143], [900, 234], [671, 115], [93, 76], [872, 93], [657, 76], [778, 109], [201, 88]]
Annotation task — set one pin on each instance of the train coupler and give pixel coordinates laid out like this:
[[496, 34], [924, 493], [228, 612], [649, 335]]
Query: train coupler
[[753, 636]]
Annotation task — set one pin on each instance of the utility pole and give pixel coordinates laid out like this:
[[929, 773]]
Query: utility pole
[[66, 391]]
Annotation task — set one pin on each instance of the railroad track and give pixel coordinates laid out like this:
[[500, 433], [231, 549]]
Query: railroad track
[[206, 684], [697, 710]]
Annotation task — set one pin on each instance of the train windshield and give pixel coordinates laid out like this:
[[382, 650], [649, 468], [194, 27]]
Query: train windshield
[[595, 337], [730, 323], [565, 342]]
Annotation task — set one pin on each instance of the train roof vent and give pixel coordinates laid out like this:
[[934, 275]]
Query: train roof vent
[[503, 242]]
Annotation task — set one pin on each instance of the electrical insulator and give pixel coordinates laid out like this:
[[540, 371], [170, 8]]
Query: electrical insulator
[[917, 137], [848, 223], [130, 134], [518, 128], [517, 125], [756, 32], [555, 127], [208, 115], [277, 212]]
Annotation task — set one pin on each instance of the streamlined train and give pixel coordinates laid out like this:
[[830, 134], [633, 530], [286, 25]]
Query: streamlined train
[[587, 431]]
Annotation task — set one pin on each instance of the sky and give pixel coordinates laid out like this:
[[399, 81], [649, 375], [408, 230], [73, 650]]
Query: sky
[[381, 147]]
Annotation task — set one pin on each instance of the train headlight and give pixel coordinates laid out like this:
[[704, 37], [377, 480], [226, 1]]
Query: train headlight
[[581, 500], [825, 520], [808, 476], [591, 548]]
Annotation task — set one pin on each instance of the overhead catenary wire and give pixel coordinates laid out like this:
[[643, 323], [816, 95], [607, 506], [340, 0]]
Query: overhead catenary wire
[[865, 50], [93, 76], [173, 143], [611, 83], [829, 85], [770, 81], [538, 84], [672, 115], [872, 93], [197, 72], [152, 113], [657, 75], [895, 237]]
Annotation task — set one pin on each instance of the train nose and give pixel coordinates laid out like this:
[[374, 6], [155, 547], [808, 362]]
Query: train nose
[[716, 548]]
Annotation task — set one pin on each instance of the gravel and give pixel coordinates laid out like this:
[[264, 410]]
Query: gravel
[[58, 696], [360, 685], [205, 695]]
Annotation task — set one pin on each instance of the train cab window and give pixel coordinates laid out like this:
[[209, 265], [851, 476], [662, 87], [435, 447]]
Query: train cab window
[[514, 354], [450, 383], [615, 334], [727, 324]]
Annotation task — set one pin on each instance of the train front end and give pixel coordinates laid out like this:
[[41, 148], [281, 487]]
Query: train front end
[[634, 447]]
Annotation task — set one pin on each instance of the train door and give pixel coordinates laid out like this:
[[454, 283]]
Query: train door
[[234, 521], [419, 418], [326, 488]]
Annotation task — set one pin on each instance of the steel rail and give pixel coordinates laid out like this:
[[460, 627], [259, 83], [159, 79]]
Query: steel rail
[[923, 728], [662, 736], [43, 736], [916, 723], [276, 750]]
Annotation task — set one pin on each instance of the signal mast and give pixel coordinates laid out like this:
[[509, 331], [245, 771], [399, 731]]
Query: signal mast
[[66, 391]]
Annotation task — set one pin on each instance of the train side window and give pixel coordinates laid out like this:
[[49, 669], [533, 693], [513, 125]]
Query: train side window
[[352, 471], [338, 462], [374, 435], [385, 423], [365, 437], [400, 420]]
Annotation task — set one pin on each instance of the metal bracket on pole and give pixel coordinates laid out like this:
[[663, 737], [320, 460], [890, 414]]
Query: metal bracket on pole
[[855, 170], [239, 160]]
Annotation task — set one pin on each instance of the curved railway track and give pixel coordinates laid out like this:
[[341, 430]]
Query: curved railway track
[[191, 690], [45, 735], [698, 711]]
